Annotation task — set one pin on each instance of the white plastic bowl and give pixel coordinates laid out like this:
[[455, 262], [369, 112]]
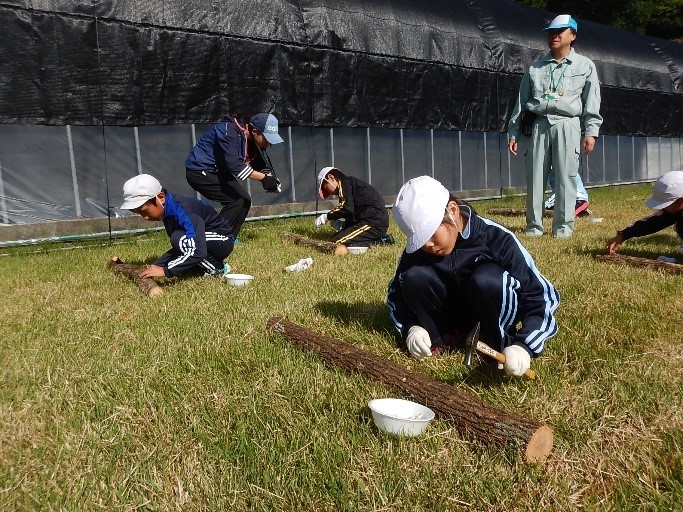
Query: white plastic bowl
[[238, 279], [400, 417], [357, 250]]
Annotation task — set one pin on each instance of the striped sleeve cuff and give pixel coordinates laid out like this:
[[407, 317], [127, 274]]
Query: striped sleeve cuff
[[246, 172]]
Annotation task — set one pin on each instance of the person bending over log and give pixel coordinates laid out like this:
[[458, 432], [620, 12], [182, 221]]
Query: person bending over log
[[667, 200], [360, 218], [200, 238], [459, 269], [228, 153]]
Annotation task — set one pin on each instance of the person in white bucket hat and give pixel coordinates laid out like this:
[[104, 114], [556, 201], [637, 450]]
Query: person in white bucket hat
[[560, 93], [459, 269], [667, 200]]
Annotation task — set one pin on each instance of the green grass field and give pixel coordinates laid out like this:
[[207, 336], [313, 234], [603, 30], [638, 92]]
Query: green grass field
[[110, 400]]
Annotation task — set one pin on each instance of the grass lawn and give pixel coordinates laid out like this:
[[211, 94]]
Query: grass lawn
[[110, 400]]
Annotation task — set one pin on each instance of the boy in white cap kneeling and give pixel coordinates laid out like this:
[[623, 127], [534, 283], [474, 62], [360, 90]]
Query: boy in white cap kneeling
[[667, 199], [459, 269], [361, 218], [200, 238]]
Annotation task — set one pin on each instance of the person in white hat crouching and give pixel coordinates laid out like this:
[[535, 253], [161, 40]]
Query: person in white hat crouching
[[459, 269], [667, 200]]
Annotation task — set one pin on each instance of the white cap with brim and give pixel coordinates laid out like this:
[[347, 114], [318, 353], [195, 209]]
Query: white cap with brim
[[667, 189], [321, 177], [138, 190], [419, 210], [563, 21]]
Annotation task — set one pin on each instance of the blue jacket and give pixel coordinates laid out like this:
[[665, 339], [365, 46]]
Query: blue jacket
[[484, 241], [194, 218], [224, 148]]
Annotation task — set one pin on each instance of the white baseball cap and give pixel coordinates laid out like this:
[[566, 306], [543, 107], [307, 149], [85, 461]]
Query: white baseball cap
[[321, 177], [138, 190], [667, 189], [419, 210]]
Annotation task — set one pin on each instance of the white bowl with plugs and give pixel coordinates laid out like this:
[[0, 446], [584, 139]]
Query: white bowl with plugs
[[357, 250], [400, 417], [238, 279]]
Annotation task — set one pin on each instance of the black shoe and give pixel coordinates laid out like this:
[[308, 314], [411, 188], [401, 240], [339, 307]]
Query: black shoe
[[387, 240]]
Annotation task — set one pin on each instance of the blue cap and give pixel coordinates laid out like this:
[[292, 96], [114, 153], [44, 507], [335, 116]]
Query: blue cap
[[267, 123], [563, 21]]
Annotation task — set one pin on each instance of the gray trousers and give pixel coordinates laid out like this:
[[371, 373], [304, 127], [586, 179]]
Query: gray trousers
[[558, 147]]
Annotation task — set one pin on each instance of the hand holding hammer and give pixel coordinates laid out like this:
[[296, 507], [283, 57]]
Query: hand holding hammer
[[472, 343]]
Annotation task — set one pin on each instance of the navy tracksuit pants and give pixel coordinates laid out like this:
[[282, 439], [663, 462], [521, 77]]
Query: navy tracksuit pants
[[443, 308]]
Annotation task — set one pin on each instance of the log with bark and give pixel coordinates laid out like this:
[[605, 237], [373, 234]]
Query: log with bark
[[662, 266], [469, 414], [514, 212], [147, 285], [319, 245]]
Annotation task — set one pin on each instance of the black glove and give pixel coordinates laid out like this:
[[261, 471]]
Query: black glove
[[270, 184]]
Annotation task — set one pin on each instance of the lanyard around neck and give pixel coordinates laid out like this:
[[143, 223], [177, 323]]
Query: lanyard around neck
[[555, 85]]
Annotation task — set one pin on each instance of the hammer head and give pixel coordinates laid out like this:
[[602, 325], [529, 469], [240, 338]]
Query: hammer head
[[471, 344]]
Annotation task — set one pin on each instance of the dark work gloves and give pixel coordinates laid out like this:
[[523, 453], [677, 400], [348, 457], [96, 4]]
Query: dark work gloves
[[270, 184]]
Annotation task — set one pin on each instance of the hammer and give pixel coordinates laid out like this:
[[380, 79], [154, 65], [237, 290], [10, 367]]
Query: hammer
[[472, 343]]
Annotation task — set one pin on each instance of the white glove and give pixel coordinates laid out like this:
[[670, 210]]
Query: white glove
[[419, 343], [321, 220], [517, 360], [302, 264]]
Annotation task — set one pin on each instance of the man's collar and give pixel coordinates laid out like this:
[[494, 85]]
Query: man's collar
[[569, 57]]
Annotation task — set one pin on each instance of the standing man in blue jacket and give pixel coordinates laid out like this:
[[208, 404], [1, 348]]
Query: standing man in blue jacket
[[562, 91], [231, 151]]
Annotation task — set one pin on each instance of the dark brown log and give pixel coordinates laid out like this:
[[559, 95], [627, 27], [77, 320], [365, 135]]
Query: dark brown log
[[514, 212], [470, 415], [147, 285], [662, 266], [319, 245]]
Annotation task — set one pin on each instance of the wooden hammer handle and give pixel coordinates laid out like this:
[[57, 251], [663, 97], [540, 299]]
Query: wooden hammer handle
[[485, 349]]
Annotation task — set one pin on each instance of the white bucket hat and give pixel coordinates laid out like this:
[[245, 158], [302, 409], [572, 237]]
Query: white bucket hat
[[138, 190], [668, 188], [419, 210]]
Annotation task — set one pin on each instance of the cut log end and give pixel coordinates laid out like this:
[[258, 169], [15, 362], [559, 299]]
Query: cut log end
[[540, 445], [155, 292], [341, 250]]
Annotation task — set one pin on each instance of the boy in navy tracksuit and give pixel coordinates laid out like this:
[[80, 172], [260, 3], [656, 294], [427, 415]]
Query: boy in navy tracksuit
[[228, 153], [459, 269], [200, 238], [360, 218]]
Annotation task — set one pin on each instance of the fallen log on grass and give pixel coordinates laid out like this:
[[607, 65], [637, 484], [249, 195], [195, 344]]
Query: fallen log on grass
[[319, 245], [662, 266], [514, 212], [470, 415], [147, 285]]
